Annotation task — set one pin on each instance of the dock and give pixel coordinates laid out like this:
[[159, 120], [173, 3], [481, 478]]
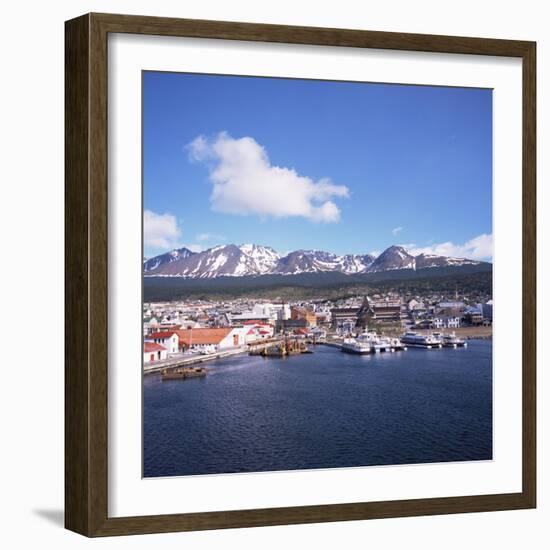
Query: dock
[[185, 360]]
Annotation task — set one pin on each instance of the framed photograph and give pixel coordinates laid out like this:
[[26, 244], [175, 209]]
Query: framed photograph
[[300, 275]]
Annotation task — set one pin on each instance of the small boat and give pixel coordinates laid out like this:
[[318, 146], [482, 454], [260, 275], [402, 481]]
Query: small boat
[[453, 341], [416, 340], [182, 373]]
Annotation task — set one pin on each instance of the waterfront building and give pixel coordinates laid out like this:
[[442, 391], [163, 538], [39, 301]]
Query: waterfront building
[[387, 310], [215, 339], [344, 318], [168, 339], [384, 310], [153, 352]]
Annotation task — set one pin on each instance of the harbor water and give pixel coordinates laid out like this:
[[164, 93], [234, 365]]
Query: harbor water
[[322, 410]]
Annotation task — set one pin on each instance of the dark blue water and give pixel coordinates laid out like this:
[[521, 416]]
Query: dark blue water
[[324, 410]]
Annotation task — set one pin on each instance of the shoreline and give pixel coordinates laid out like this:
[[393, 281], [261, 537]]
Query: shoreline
[[467, 333]]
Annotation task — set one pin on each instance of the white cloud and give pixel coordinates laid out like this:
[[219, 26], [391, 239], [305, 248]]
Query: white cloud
[[478, 248], [396, 230], [209, 237], [245, 182], [160, 230], [408, 246]]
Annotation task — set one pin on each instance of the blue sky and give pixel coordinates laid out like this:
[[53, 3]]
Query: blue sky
[[343, 167]]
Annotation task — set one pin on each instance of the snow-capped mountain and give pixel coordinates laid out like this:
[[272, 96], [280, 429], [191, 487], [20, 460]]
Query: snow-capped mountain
[[264, 258], [355, 263], [314, 261], [397, 257], [227, 260], [158, 261], [253, 260], [394, 257]]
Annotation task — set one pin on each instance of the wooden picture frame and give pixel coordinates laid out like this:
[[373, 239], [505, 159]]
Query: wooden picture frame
[[86, 279]]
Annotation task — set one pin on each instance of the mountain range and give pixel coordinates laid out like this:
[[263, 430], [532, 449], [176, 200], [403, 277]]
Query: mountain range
[[254, 260]]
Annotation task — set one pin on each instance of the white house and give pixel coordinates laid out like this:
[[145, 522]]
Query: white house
[[446, 321], [168, 339], [153, 352]]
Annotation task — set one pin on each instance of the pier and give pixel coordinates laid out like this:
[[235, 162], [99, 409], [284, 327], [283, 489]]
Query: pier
[[185, 360]]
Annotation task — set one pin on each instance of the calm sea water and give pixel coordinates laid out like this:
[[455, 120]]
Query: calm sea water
[[323, 410]]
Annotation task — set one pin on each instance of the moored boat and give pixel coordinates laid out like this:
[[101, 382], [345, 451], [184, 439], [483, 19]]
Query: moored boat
[[354, 345], [182, 373], [451, 340], [416, 340], [370, 342], [372, 339]]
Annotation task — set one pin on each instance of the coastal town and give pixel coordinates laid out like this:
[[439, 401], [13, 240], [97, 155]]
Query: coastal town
[[180, 333]]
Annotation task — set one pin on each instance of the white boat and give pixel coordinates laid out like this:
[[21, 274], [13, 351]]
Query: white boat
[[356, 345], [451, 340], [372, 339], [416, 340]]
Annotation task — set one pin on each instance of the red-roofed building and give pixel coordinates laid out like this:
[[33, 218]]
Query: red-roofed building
[[212, 338], [168, 339], [153, 352]]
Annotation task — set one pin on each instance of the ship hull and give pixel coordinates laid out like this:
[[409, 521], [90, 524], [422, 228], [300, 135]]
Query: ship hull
[[355, 351], [422, 345]]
